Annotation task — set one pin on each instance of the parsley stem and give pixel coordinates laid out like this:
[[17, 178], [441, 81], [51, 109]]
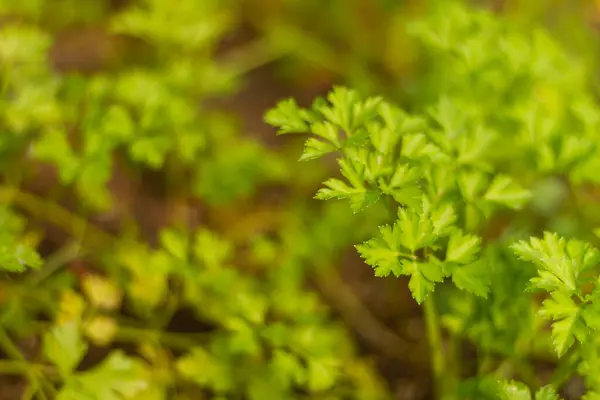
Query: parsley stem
[[29, 393], [18, 367], [453, 362], [59, 259], [49, 387], [565, 369], [13, 367], [434, 336], [407, 255], [42, 394], [174, 340], [72, 223], [28, 369], [9, 347], [252, 56], [485, 362]]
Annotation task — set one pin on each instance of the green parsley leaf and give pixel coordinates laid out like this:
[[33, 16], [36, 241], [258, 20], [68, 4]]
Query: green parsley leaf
[[503, 190], [206, 370], [423, 277], [288, 117], [473, 277], [514, 391], [64, 346], [471, 183], [175, 243], [322, 373], [416, 229], [462, 248], [443, 218], [359, 194], [565, 314], [383, 253], [347, 110], [546, 393], [117, 377], [314, 148], [557, 269]]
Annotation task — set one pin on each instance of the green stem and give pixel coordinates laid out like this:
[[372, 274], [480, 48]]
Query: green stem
[[57, 261], [26, 368], [72, 223], [485, 363], [13, 367], [453, 363], [42, 394], [179, 341], [9, 347], [49, 387], [565, 369], [13, 352], [252, 56], [133, 334], [392, 208], [436, 349], [471, 218], [407, 255], [29, 393], [525, 371], [5, 84]]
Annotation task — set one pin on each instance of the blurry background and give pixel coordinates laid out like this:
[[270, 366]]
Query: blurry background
[[232, 60]]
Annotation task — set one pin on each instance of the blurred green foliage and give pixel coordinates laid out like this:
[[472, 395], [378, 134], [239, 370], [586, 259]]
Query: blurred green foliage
[[101, 95]]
